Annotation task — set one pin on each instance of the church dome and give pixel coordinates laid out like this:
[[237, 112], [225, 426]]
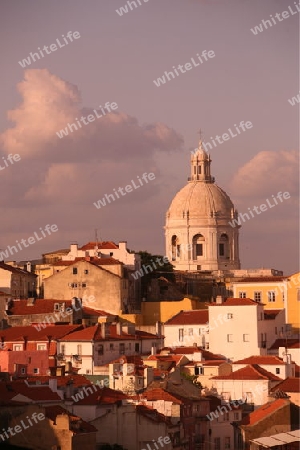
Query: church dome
[[200, 201]]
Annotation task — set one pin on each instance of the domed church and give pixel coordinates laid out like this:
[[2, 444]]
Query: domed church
[[198, 234]]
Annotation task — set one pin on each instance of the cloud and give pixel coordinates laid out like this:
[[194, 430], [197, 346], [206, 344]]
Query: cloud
[[50, 103], [267, 173], [90, 162]]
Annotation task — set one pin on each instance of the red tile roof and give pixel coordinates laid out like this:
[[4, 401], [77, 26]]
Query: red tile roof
[[250, 372], [193, 317], [17, 334], [153, 415], [36, 393], [261, 360], [105, 245], [161, 394], [290, 384], [264, 411], [40, 306], [16, 270], [105, 396], [236, 302], [206, 355], [94, 333], [76, 380], [91, 260], [262, 279]]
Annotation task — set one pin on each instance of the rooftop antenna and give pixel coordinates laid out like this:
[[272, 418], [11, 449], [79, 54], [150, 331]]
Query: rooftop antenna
[[96, 240]]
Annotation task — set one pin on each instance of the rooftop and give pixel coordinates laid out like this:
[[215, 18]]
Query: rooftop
[[193, 317]]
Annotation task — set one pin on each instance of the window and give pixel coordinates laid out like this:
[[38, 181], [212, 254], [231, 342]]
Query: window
[[74, 270], [276, 331], [271, 296], [136, 347], [229, 338], [236, 416], [277, 370], [41, 347], [101, 349], [178, 250], [79, 349], [199, 250], [17, 347], [221, 249], [229, 316], [86, 271], [242, 294], [200, 331], [122, 348], [190, 331], [257, 296], [180, 331], [199, 370], [246, 337], [227, 442], [84, 285], [217, 443], [35, 370], [111, 347], [226, 416], [62, 349], [249, 397]]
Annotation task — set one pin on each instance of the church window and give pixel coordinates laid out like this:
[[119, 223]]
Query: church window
[[223, 245], [199, 250], [221, 249], [178, 251]]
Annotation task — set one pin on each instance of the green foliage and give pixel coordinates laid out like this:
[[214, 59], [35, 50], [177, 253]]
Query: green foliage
[[160, 268], [192, 379]]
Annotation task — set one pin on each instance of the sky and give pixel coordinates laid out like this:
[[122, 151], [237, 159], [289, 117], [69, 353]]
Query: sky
[[116, 58]]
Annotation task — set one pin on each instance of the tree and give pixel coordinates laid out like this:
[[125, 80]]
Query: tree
[[154, 266]]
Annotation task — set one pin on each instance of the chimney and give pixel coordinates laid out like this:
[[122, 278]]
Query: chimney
[[103, 329], [219, 299], [118, 328], [153, 350]]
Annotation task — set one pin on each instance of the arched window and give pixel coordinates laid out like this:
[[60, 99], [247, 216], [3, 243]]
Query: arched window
[[223, 246], [175, 248], [198, 246]]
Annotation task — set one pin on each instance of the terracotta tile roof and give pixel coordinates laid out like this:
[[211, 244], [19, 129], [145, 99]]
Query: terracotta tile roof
[[96, 312], [17, 334], [16, 270], [77, 380], [105, 245], [94, 333], [193, 317], [171, 358], [236, 302], [207, 363], [206, 355], [283, 342], [264, 411], [109, 261], [295, 345], [270, 314], [250, 372], [63, 250], [40, 306], [274, 279], [105, 396], [77, 425], [290, 384], [36, 394], [161, 394], [261, 360]]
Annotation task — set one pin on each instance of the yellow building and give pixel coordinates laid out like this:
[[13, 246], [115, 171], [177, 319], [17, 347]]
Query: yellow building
[[276, 292]]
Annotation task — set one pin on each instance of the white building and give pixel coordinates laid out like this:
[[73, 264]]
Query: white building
[[240, 327], [273, 364], [187, 328], [92, 347], [198, 233]]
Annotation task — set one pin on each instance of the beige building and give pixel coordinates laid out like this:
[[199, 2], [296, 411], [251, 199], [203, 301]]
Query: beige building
[[101, 278], [16, 283]]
